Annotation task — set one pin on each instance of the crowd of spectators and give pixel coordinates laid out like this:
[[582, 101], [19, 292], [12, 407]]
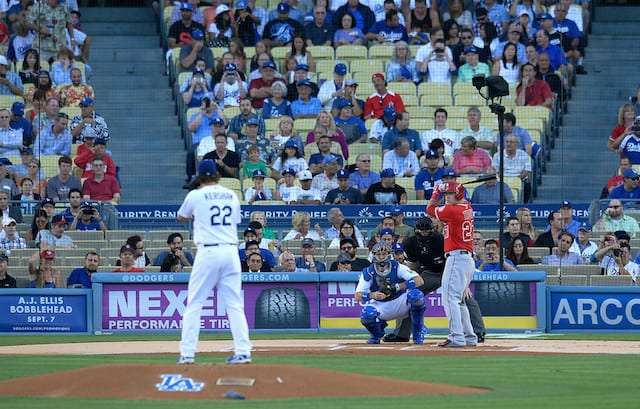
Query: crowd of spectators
[[282, 80]]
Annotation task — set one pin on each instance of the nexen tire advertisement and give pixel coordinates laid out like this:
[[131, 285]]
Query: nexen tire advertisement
[[279, 308]]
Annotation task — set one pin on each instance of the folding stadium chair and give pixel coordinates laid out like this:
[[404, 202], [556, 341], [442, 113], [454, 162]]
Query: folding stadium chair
[[381, 51], [436, 100], [431, 89], [468, 100], [403, 88], [351, 52], [321, 52], [611, 281], [366, 67], [419, 112]]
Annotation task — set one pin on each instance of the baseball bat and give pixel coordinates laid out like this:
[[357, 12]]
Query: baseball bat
[[480, 179]]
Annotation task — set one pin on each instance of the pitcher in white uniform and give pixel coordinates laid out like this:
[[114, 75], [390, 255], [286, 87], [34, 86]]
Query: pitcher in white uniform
[[215, 211]]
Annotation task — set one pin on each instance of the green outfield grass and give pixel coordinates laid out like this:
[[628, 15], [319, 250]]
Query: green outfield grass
[[517, 382]]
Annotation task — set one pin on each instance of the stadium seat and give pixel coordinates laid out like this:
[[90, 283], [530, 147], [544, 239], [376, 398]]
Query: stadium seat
[[321, 52], [381, 51], [611, 281], [402, 88], [351, 52]]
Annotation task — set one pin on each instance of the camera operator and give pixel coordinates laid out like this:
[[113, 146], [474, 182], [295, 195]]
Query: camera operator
[[615, 258], [425, 254], [88, 218], [491, 259], [608, 245]]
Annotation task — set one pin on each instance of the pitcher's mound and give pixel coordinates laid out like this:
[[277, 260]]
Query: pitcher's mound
[[143, 381]]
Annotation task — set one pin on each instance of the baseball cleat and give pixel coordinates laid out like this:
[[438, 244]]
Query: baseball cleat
[[418, 338], [373, 340], [447, 343], [186, 360], [394, 338], [480, 338], [239, 359]]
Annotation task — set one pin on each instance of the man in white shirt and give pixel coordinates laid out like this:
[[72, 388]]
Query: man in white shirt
[[450, 137], [583, 245]]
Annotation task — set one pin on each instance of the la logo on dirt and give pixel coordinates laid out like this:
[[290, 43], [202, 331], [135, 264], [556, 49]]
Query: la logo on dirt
[[176, 383]]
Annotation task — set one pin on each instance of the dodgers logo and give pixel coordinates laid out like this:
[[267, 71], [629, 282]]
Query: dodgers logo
[[176, 383]]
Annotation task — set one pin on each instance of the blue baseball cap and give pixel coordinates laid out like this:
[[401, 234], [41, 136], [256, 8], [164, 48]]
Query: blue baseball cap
[[330, 158], [258, 173], [396, 210], [471, 49], [86, 204], [387, 173], [449, 172], [241, 5], [186, 6], [303, 67], [197, 34], [585, 226], [17, 108], [230, 67], [343, 174], [216, 121], [207, 168], [343, 102], [630, 173], [268, 64], [291, 144], [431, 154], [397, 247], [544, 16], [100, 141], [27, 150], [5, 161], [46, 201], [289, 171], [253, 121], [389, 113], [86, 102], [304, 83], [283, 7], [386, 231], [566, 203], [340, 69]]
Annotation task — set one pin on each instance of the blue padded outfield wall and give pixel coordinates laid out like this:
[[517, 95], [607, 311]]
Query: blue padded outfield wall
[[307, 302]]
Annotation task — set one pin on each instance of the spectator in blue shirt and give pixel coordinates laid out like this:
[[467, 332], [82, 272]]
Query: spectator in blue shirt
[[401, 130], [18, 121], [81, 277], [388, 31], [353, 127], [305, 106], [629, 188]]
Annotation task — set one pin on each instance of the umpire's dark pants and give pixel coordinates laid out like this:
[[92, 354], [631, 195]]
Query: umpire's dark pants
[[433, 281]]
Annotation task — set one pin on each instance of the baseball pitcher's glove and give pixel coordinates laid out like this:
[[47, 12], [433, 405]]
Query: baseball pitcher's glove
[[387, 288]]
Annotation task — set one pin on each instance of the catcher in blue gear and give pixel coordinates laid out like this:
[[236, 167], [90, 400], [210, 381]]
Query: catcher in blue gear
[[389, 291]]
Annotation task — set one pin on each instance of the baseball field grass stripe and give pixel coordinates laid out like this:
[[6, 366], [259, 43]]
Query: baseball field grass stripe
[[525, 382]]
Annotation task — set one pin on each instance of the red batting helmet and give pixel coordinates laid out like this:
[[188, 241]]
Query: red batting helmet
[[453, 187]]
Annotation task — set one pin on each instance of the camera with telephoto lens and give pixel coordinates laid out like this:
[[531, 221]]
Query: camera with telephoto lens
[[617, 252], [87, 211], [635, 128]]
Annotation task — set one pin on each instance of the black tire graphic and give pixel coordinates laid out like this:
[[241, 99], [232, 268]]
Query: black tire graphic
[[279, 308]]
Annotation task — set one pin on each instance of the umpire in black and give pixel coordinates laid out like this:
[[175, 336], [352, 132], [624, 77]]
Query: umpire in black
[[425, 255]]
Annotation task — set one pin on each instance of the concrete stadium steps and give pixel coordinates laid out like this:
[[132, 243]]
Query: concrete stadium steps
[[134, 97], [580, 163]]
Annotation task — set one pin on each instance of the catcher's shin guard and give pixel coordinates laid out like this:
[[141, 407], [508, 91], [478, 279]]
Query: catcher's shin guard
[[369, 318], [415, 299]]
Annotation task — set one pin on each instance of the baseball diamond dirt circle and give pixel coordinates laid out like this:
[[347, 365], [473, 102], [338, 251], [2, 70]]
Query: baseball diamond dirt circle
[[155, 381]]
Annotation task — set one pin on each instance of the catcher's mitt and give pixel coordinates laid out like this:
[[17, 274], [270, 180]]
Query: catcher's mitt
[[387, 288]]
